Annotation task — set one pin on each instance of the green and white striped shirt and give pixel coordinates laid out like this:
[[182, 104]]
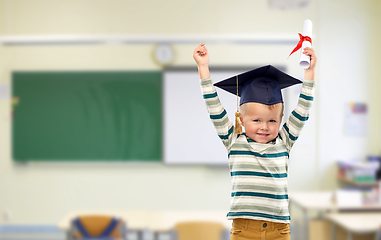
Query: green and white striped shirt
[[258, 171]]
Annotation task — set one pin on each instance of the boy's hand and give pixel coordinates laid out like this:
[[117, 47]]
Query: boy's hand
[[309, 73], [201, 56]]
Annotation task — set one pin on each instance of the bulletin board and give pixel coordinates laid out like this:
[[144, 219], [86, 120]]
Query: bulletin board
[[87, 116]]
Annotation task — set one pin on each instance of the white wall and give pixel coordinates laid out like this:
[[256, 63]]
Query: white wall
[[345, 75], [375, 96], [43, 193]]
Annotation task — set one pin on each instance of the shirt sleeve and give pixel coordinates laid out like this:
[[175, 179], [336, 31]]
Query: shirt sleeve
[[217, 113], [291, 129]]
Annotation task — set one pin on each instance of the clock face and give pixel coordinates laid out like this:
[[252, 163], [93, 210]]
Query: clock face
[[164, 54]]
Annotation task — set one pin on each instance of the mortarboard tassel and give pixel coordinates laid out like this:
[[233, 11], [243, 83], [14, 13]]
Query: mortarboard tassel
[[238, 123]]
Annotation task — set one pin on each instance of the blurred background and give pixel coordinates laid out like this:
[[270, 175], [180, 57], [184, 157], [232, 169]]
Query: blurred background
[[337, 153]]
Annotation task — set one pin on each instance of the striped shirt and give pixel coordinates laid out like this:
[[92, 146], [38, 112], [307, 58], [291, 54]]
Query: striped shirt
[[258, 171]]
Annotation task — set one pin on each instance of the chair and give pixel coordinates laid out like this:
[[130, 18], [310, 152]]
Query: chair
[[378, 234], [97, 227], [200, 230]]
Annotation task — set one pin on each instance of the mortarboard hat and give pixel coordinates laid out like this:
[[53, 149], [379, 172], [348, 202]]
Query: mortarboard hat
[[261, 85]]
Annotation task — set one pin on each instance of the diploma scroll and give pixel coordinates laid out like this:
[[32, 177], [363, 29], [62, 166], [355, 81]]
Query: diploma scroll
[[307, 31]]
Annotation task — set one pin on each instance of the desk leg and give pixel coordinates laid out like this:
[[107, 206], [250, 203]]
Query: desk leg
[[377, 235], [333, 232], [69, 234], [307, 222], [349, 234], [156, 235]]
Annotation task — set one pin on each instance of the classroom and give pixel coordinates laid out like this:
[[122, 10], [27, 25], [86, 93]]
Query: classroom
[[184, 178]]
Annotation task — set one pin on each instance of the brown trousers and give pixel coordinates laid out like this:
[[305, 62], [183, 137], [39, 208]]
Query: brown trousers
[[247, 229]]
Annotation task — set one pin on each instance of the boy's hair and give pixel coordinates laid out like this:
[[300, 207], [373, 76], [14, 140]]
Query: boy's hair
[[243, 108]]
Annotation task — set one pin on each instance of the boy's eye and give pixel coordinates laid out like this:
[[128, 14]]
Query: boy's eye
[[272, 121], [256, 120]]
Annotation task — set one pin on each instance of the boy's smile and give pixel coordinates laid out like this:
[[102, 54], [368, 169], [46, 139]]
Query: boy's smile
[[262, 122], [263, 134]]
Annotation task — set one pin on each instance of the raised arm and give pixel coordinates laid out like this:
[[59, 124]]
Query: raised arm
[[309, 73], [201, 56], [217, 113], [291, 129]]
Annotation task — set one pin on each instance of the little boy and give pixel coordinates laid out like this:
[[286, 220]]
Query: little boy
[[258, 158]]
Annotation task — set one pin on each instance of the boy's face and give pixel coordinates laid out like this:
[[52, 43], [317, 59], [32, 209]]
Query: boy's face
[[262, 123]]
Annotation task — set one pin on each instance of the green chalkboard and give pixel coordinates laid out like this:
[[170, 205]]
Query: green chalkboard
[[87, 116]]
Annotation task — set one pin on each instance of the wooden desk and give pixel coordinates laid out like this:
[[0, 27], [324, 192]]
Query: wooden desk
[[152, 220], [321, 201], [360, 223], [324, 204], [306, 201]]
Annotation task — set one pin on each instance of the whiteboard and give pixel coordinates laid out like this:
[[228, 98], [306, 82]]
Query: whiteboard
[[189, 135]]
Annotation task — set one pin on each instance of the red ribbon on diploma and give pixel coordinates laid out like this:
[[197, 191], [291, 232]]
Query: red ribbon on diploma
[[302, 39]]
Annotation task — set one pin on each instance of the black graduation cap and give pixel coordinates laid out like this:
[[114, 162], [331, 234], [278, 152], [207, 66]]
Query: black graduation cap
[[261, 85]]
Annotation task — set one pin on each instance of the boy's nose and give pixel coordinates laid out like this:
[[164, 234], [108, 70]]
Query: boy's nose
[[264, 127]]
